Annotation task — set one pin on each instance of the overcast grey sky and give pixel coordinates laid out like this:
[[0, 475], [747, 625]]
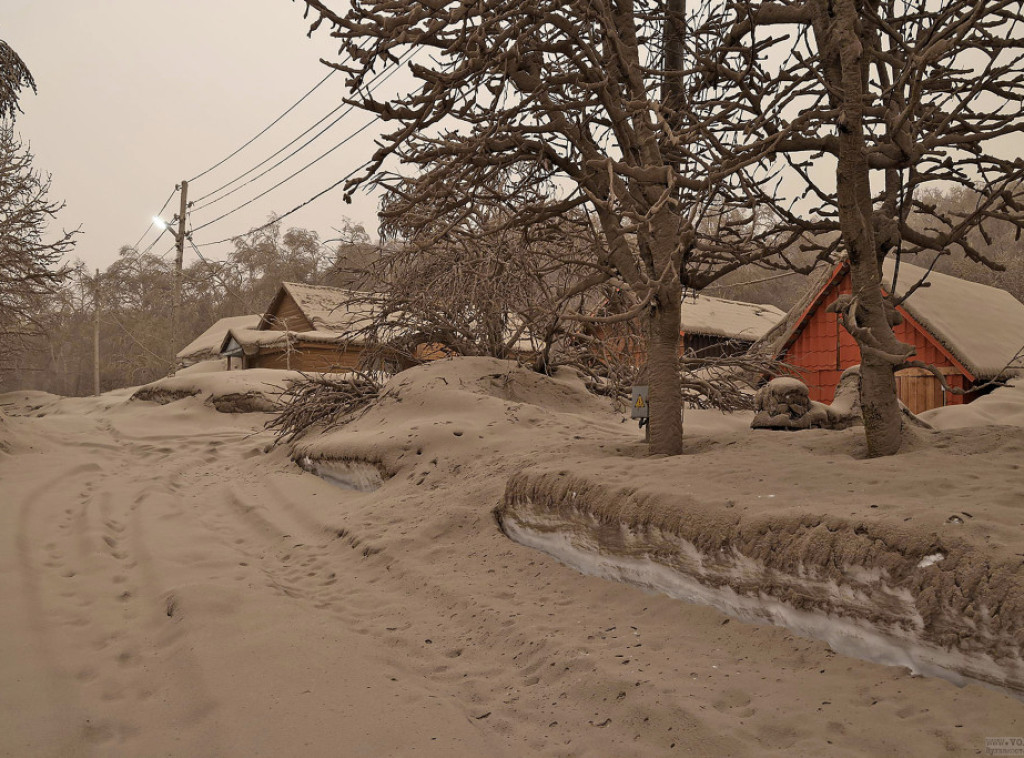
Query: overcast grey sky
[[135, 95]]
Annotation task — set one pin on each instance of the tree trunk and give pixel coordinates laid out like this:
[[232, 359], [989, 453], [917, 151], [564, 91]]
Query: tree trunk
[[867, 320], [666, 398], [879, 405]]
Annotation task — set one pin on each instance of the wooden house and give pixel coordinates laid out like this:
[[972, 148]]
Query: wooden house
[[306, 328], [969, 331], [207, 345]]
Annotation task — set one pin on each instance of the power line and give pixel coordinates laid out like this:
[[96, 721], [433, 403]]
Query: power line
[[266, 128], [378, 80], [719, 285], [159, 213], [153, 243], [271, 157], [298, 207], [291, 176]]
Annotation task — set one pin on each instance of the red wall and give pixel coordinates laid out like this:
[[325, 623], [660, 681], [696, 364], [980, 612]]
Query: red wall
[[824, 349]]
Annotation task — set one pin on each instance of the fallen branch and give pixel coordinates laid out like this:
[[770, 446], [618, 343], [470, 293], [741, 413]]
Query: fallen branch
[[320, 401]]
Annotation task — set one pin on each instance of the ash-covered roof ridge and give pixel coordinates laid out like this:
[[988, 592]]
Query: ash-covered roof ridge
[[208, 343], [981, 326], [734, 319], [328, 309]]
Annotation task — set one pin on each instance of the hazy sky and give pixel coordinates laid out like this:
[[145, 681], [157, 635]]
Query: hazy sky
[[135, 95]]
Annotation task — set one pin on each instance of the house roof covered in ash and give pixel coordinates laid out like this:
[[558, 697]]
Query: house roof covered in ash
[[207, 345], [982, 326], [716, 316], [326, 308], [252, 341]]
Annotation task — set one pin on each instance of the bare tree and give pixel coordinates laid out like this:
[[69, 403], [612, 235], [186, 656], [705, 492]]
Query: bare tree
[[566, 105], [473, 280], [858, 108], [30, 265]]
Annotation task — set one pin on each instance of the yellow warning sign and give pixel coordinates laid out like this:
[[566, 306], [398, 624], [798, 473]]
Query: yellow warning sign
[[639, 402]]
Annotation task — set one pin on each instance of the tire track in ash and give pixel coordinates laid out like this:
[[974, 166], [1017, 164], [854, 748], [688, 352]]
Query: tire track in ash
[[48, 589], [322, 566], [450, 634], [156, 658], [96, 594]]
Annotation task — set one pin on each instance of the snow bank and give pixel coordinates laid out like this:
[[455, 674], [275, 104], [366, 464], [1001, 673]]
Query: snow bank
[[361, 476], [856, 636], [935, 605], [460, 405], [1002, 406], [251, 390]]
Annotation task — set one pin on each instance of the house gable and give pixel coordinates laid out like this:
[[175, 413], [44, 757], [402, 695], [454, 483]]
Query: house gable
[[285, 315], [820, 349]]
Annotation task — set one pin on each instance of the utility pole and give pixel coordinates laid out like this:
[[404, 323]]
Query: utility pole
[[96, 334], [179, 244]]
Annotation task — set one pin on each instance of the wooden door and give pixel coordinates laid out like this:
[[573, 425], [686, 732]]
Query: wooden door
[[919, 390]]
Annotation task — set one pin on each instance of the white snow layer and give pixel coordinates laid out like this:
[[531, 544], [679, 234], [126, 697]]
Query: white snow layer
[[847, 636], [361, 476]]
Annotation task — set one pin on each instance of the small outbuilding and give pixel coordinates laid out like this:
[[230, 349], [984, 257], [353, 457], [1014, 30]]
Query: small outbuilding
[[971, 332], [207, 346], [307, 327], [714, 327], [709, 327]]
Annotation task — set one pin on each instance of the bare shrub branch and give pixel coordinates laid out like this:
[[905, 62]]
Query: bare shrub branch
[[320, 401]]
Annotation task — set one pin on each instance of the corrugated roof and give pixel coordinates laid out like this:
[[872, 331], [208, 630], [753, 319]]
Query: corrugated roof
[[207, 344], [982, 326], [703, 314]]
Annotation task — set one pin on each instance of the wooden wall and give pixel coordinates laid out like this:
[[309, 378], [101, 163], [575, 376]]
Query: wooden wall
[[288, 317], [824, 349], [315, 358]]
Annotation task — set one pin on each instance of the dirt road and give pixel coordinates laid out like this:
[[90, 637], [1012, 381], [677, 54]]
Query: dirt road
[[170, 589]]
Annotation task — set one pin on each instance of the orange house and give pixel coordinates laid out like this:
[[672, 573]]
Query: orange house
[[969, 331]]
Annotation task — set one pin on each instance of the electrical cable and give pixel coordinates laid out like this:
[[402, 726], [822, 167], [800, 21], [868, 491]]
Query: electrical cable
[[266, 160], [381, 77], [378, 80], [298, 207], [266, 128], [159, 213], [153, 243], [291, 176]]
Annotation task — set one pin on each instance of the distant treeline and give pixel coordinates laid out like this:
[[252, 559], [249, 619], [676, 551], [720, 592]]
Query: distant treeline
[[134, 301]]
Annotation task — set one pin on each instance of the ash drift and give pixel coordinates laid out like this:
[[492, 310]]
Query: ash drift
[[904, 561]]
